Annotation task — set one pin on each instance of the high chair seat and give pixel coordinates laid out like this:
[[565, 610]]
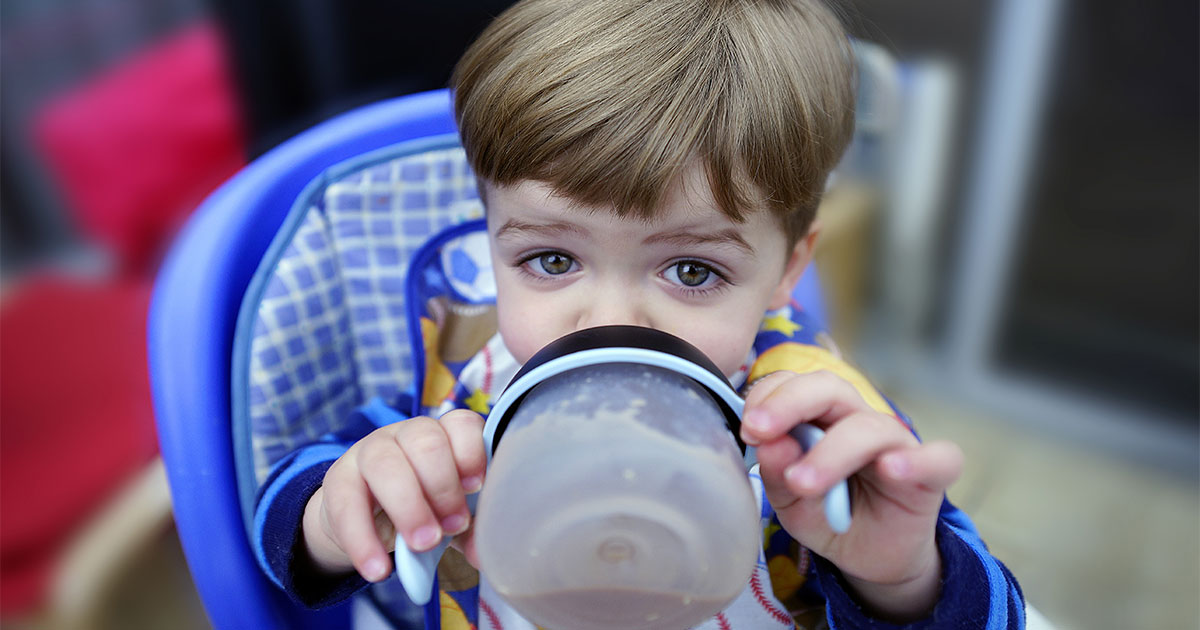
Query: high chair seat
[[191, 331], [312, 243]]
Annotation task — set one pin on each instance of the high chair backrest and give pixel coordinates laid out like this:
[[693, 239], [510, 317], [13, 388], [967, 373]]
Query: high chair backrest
[[330, 221], [191, 331], [331, 317]]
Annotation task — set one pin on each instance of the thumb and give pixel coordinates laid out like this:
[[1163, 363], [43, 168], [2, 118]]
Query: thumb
[[465, 543]]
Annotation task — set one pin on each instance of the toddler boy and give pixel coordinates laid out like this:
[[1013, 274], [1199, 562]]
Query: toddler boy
[[659, 163]]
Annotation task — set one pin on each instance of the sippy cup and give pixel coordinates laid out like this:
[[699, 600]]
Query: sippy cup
[[616, 494]]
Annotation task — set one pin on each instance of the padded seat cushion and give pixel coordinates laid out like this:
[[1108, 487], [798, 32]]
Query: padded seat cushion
[[325, 325]]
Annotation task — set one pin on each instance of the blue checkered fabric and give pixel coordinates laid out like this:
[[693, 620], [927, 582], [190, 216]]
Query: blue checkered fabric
[[331, 328]]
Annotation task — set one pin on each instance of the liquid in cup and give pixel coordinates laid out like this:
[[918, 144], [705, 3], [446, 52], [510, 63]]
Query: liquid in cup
[[617, 498]]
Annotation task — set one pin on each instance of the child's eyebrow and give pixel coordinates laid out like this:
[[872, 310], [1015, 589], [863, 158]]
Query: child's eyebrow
[[727, 236], [517, 227]]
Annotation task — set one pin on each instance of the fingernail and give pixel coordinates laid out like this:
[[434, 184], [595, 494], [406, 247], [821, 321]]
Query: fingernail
[[375, 569], [455, 524], [472, 485], [425, 538], [801, 475], [757, 420]]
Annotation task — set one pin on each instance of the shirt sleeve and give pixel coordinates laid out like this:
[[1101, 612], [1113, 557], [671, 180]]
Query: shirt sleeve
[[279, 511], [278, 517], [977, 591]]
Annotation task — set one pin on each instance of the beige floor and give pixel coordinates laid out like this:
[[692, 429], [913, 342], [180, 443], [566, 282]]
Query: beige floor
[[1096, 543], [154, 591]]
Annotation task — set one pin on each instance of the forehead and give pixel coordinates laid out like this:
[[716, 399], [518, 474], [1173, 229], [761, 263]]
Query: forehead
[[688, 217], [688, 200]]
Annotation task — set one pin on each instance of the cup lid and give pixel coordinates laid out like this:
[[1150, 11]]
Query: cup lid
[[615, 344]]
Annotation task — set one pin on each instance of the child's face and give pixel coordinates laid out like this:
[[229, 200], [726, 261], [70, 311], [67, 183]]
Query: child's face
[[691, 272]]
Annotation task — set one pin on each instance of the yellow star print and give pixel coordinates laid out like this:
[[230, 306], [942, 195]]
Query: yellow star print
[[770, 530], [479, 402], [781, 324], [453, 617]]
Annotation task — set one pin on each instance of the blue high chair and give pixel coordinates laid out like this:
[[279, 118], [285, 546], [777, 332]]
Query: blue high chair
[[206, 398]]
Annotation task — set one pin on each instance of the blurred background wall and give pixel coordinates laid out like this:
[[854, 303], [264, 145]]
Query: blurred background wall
[[1028, 283], [1019, 244], [49, 49], [117, 118], [1036, 247]]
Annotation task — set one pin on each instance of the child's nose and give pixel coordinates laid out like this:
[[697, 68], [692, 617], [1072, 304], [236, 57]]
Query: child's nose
[[618, 306]]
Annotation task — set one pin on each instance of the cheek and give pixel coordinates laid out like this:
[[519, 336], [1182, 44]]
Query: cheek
[[517, 335], [724, 340], [526, 325], [727, 349]]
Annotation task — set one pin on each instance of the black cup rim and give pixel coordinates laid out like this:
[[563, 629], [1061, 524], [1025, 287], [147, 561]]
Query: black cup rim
[[620, 336]]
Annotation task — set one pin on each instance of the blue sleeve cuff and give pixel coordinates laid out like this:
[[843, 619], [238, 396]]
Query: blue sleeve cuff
[[277, 528], [977, 591]]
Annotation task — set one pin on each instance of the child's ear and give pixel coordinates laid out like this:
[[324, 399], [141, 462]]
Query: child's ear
[[798, 260]]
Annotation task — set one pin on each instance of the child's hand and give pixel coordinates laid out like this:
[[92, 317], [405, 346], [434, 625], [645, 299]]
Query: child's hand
[[889, 556], [410, 477]]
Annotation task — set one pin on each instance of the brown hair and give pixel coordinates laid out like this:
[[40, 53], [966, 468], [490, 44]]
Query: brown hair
[[610, 101]]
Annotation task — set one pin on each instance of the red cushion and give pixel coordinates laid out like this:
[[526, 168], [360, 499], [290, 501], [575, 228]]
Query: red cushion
[[75, 417], [138, 147]]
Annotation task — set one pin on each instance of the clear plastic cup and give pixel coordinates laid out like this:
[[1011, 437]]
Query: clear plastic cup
[[617, 498]]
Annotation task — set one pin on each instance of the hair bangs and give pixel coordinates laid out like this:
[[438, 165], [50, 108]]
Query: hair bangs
[[609, 103]]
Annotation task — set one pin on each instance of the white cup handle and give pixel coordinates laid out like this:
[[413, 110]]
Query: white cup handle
[[417, 570], [837, 500]]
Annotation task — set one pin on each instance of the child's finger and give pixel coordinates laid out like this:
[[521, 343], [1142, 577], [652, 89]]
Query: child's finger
[[428, 450], [395, 486], [780, 400], [464, 429], [349, 521], [932, 467], [773, 458], [848, 446], [761, 388]]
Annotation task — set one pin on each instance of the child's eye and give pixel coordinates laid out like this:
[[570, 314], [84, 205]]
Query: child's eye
[[554, 263], [691, 274], [694, 276], [549, 263]]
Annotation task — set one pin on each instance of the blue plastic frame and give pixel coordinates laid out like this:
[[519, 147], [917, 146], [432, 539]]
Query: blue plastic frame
[[252, 301], [191, 326]]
